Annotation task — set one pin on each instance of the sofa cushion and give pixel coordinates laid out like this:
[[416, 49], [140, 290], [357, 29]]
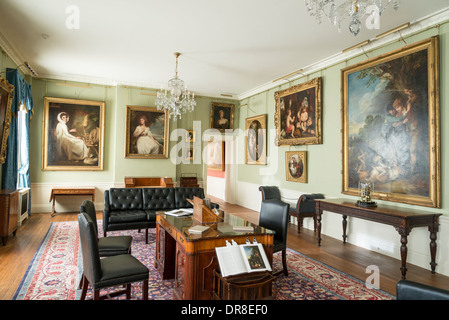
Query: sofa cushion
[[182, 194], [158, 198], [125, 199], [124, 216]]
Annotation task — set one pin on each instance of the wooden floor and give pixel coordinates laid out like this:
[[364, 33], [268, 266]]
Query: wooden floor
[[19, 251]]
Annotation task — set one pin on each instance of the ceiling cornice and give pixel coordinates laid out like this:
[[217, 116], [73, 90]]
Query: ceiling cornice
[[13, 54], [419, 25]]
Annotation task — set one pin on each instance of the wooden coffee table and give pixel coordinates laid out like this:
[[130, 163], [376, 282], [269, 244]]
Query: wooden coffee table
[[70, 191]]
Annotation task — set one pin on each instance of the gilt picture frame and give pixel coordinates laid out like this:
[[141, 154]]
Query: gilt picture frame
[[73, 135], [296, 166], [298, 115], [256, 140], [146, 133], [391, 125], [189, 154], [190, 136], [222, 116], [216, 155], [6, 97]]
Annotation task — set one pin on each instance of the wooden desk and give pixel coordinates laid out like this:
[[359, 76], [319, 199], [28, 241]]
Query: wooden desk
[[70, 191], [402, 219], [190, 258], [156, 182]]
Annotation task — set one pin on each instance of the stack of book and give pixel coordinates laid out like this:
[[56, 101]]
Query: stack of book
[[198, 229]]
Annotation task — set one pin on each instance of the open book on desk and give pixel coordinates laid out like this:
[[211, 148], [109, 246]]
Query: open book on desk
[[180, 212], [236, 259]]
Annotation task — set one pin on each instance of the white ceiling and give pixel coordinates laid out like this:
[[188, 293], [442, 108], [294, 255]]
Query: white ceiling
[[228, 47]]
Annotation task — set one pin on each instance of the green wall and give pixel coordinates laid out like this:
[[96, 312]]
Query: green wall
[[116, 167], [324, 163]]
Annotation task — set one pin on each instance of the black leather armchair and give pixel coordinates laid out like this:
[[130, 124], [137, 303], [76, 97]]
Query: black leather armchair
[[270, 192], [274, 215], [107, 272], [305, 207], [409, 290]]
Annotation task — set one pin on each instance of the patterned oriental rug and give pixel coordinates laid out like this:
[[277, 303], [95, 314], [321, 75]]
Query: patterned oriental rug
[[55, 271]]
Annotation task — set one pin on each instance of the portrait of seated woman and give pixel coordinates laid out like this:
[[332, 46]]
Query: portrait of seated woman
[[145, 143], [146, 133]]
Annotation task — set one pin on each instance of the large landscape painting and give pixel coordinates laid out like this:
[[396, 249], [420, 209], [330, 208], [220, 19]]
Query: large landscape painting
[[391, 125]]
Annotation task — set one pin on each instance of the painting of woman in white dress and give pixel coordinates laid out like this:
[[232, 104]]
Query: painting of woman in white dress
[[146, 133], [67, 145], [146, 143], [73, 134]]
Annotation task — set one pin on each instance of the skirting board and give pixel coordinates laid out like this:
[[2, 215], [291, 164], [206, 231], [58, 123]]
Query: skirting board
[[373, 236]]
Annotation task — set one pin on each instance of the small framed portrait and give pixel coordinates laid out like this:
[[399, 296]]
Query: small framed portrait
[[6, 98], [73, 135], [189, 153], [296, 166], [146, 133], [190, 136], [222, 116], [256, 142], [298, 114]]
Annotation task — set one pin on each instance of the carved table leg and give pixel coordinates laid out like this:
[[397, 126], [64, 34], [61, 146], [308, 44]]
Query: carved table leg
[[344, 223], [403, 254], [433, 245], [318, 213], [53, 206]]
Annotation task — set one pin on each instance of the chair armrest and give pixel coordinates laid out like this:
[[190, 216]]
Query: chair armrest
[[306, 202], [409, 290]]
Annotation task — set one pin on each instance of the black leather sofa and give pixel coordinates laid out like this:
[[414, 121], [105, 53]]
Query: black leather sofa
[[409, 290], [135, 208]]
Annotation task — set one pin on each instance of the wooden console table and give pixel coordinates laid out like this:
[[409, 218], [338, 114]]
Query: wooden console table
[[402, 219], [190, 258], [70, 191]]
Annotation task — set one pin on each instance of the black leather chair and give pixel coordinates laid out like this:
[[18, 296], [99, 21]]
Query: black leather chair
[[274, 215], [107, 272], [107, 246], [305, 207], [409, 290], [270, 192]]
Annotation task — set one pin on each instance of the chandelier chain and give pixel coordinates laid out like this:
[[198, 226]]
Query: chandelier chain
[[176, 99]]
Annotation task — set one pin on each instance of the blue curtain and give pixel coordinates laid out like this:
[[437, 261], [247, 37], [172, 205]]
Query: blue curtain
[[22, 96]]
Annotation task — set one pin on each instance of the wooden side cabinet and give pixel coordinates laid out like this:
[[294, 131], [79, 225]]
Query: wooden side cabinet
[[9, 213]]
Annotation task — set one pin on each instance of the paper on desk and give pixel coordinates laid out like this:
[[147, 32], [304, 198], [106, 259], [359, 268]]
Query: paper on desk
[[180, 212]]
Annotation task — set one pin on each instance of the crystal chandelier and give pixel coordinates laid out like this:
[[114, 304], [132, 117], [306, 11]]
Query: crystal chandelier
[[354, 9], [176, 100]]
